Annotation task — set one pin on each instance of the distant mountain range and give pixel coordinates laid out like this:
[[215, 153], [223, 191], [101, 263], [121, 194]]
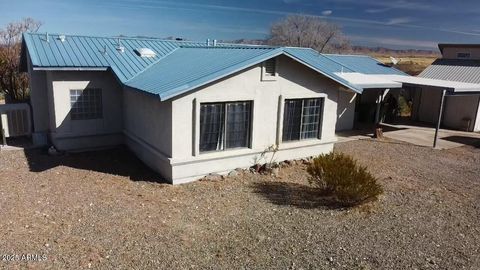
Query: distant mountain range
[[393, 52], [374, 51], [358, 49]]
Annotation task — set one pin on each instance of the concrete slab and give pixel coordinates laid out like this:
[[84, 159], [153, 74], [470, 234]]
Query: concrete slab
[[422, 136]]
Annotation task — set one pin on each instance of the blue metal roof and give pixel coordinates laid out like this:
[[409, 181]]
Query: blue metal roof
[[181, 66], [89, 52], [364, 64], [189, 68], [322, 64]]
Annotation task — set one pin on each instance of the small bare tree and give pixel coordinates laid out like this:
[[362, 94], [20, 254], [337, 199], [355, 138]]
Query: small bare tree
[[308, 31], [13, 83]]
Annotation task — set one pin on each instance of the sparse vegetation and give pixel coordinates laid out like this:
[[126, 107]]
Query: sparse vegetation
[[263, 162], [13, 83], [412, 65], [404, 106], [339, 175], [311, 32]]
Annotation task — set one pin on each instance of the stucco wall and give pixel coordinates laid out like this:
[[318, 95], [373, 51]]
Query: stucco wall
[[148, 129], [294, 81], [451, 53], [429, 105], [477, 119], [38, 98], [457, 108], [67, 134], [345, 110]]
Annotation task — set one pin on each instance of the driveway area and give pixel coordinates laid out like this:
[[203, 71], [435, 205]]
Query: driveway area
[[417, 135], [106, 210]]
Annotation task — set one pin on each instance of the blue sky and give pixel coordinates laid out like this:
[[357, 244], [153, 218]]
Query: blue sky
[[399, 24]]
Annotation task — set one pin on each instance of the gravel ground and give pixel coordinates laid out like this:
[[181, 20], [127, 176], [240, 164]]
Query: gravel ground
[[105, 210]]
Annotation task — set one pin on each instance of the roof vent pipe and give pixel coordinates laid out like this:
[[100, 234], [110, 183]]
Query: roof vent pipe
[[214, 43], [208, 42], [119, 47], [47, 38]]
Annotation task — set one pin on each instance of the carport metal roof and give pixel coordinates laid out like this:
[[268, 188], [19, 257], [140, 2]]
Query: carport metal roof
[[375, 81], [368, 81], [452, 86], [386, 81]]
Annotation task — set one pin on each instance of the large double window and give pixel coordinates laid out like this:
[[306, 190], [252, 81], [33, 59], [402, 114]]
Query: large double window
[[225, 125], [86, 104], [301, 119]]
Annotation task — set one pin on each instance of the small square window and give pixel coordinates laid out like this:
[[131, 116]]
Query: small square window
[[271, 67], [86, 104]]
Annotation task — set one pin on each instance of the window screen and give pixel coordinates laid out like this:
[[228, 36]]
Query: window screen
[[463, 55], [224, 125], [301, 119], [86, 104], [270, 67]]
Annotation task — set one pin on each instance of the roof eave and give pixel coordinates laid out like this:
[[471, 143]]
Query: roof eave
[[71, 68], [351, 87], [216, 76]]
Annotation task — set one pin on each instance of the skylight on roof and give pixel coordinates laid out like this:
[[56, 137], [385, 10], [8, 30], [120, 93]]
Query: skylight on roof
[[145, 52]]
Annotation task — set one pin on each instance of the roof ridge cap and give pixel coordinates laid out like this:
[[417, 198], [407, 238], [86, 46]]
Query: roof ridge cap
[[114, 37]]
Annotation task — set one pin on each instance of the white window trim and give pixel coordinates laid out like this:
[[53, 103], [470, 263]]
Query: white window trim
[[270, 78], [281, 108], [196, 127]]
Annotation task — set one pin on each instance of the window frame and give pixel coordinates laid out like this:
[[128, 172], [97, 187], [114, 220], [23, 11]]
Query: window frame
[[92, 103], [463, 55], [281, 112], [268, 76], [197, 128]]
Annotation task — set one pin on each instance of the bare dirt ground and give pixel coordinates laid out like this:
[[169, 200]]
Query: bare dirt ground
[[412, 65], [104, 210]]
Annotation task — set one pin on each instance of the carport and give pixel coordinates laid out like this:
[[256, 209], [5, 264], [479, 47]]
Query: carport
[[447, 88], [383, 83]]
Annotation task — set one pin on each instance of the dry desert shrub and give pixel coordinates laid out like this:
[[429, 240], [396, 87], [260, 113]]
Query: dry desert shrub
[[339, 175]]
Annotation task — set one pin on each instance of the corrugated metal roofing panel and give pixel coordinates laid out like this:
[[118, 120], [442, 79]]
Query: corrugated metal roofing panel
[[189, 68], [453, 70], [322, 64], [457, 87], [181, 65], [364, 64], [88, 52]]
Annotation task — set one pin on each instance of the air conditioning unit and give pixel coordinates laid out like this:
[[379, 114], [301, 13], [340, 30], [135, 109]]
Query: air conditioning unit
[[15, 119]]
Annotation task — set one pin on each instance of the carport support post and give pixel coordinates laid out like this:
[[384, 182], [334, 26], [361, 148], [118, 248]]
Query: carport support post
[[379, 106], [440, 112]]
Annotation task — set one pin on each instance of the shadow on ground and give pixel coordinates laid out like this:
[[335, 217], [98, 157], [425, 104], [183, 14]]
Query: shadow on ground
[[117, 161], [475, 142], [293, 194]]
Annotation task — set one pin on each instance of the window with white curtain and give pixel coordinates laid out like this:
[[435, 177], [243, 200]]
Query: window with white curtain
[[225, 125], [302, 119]]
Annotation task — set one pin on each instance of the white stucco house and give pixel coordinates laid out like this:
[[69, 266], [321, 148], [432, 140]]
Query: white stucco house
[[188, 109]]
